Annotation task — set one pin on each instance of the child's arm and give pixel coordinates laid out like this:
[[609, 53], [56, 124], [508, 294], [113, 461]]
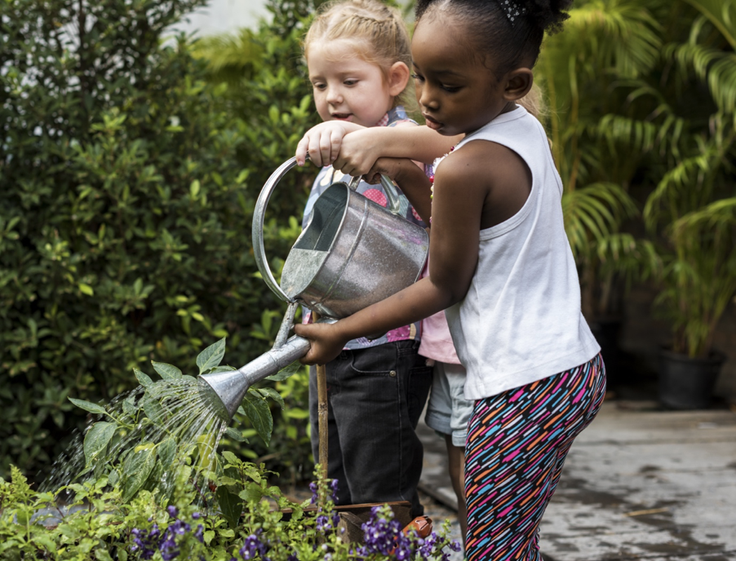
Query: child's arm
[[353, 149], [360, 150]]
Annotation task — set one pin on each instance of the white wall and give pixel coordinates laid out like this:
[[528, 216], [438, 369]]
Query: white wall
[[223, 16]]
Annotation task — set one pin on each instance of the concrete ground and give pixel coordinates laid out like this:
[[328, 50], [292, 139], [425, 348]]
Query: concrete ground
[[639, 483]]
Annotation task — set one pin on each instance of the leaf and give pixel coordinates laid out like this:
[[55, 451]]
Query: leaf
[[88, 406], [273, 394], [86, 289], [211, 356], [129, 406], [45, 541], [220, 368], [252, 493], [143, 378], [166, 453], [136, 469], [297, 413], [230, 505], [234, 434], [97, 439], [194, 188], [102, 555], [258, 413], [153, 410], [206, 452], [230, 458], [167, 371], [286, 371]]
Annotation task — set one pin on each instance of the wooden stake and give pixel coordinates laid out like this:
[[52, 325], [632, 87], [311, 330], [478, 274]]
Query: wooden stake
[[322, 413]]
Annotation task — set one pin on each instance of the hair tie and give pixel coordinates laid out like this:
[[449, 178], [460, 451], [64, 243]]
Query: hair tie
[[512, 10]]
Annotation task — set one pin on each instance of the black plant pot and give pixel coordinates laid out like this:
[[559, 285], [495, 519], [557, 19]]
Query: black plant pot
[[685, 382]]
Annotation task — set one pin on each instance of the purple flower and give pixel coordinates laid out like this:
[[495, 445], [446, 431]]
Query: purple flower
[[199, 533], [141, 542], [324, 524], [168, 548], [253, 547], [315, 491], [172, 510], [196, 516], [333, 486], [379, 534], [180, 527]]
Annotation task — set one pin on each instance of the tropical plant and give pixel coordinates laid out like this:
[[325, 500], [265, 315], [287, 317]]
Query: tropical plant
[[597, 140], [692, 206]]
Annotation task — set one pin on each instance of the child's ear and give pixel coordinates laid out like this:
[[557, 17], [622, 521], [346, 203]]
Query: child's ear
[[518, 84], [398, 78]]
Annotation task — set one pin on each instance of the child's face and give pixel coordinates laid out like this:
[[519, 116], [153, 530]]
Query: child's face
[[456, 92], [345, 86]]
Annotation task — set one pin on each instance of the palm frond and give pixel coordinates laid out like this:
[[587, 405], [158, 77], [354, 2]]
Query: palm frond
[[722, 14], [230, 57], [711, 65], [700, 279], [594, 212], [682, 187]]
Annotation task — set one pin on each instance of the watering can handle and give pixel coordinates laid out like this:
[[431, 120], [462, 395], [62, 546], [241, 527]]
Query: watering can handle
[[259, 214]]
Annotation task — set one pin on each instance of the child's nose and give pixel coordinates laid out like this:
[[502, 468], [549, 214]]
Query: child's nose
[[425, 97], [334, 95]]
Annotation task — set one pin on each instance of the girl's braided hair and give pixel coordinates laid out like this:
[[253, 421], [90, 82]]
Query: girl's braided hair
[[510, 29], [379, 32]]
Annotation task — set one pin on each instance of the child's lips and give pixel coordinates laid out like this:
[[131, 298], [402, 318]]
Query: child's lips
[[341, 116], [431, 123]]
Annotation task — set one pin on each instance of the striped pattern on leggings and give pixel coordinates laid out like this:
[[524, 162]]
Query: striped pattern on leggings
[[516, 446]]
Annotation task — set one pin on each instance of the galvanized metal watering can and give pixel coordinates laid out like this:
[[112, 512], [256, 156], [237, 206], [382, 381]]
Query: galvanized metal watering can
[[353, 253]]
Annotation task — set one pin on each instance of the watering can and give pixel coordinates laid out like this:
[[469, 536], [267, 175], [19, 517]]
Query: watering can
[[352, 253]]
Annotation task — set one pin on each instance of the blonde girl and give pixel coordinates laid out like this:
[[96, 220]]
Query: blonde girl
[[358, 57]]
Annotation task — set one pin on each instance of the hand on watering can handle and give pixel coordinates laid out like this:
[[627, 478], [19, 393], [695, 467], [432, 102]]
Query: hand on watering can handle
[[322, 142], [324, 339]]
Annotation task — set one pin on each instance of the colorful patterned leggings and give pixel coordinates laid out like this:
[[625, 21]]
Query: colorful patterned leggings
[[516, 446]]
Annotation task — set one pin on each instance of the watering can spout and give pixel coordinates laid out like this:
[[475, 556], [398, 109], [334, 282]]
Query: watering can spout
[[225, 390]]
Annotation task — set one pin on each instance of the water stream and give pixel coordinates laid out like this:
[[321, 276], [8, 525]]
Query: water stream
[[142, 437]]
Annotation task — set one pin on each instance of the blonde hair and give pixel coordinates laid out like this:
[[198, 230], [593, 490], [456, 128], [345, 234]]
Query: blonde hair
[[379, 32], [534, 102]]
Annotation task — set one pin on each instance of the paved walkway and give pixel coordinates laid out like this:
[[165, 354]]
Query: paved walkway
[[639, 483]]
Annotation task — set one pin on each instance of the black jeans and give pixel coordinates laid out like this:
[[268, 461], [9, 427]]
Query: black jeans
[[375, 398]]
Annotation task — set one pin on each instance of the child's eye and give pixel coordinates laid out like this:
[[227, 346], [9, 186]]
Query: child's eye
[[350, 82], [417, 77], [319, 86], [450, 89]]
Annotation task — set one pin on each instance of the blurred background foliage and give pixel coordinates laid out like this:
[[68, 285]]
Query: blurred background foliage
[[128, 174], [131, 159]]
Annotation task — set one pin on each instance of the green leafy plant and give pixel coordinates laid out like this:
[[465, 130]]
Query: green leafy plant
[[598, 141], [144, 434], [95, 523], [691, 209]]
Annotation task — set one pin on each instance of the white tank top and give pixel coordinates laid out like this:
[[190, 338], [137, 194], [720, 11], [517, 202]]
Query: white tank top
[[521, 319]]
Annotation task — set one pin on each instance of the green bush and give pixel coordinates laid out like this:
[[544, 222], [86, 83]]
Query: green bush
[[127, 184]]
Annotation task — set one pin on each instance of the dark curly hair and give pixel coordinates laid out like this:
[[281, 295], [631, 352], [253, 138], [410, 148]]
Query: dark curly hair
[[513, 43]]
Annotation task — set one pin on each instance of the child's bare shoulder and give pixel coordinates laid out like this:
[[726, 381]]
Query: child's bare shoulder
[[481, 160]]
